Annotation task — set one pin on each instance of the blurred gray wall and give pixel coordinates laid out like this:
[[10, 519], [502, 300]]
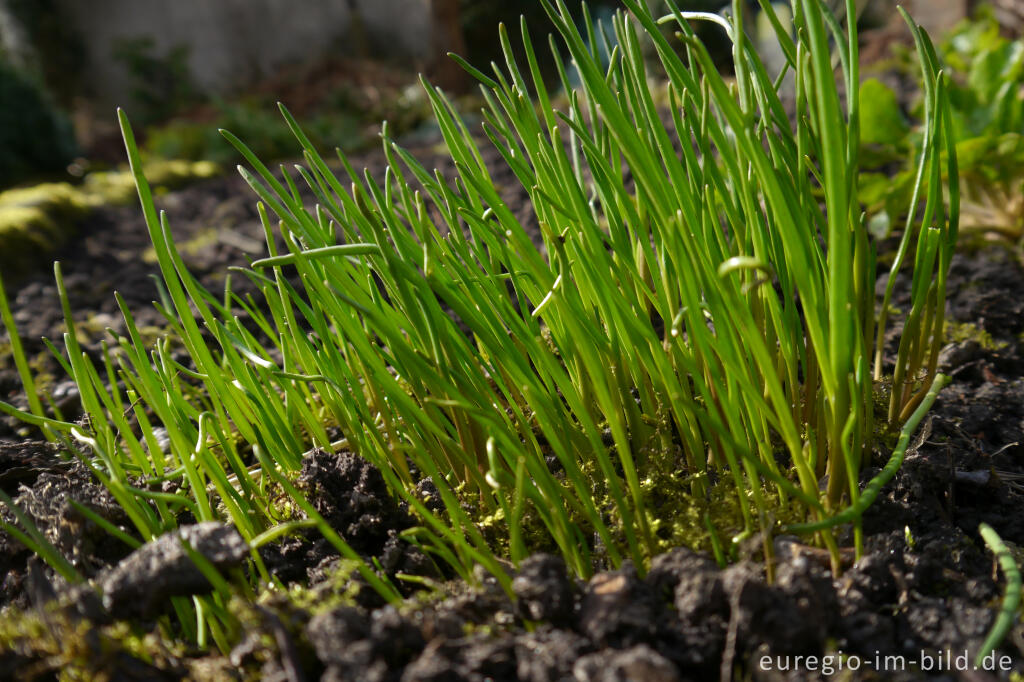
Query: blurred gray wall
[[233, 42], [935, 16]]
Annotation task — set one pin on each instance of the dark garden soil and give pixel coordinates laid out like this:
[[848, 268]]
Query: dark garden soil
[[927, 587]]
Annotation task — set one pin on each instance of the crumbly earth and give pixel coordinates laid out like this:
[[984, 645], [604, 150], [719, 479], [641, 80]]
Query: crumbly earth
[[926, 584]]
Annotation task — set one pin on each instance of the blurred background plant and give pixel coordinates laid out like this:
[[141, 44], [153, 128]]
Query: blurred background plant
[[986, 64], [160, 85], [186, 70], [194, 64], [988, 106]]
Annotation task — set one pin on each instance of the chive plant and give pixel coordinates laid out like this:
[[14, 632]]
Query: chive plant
[[704, 296]]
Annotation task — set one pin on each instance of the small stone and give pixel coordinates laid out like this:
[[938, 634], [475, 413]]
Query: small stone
[[433, 665], [399, 556], [377, 671], [866, 633], [700, 595], [487, 658], [809, 586], [764, 614], [955, 355], [395, 637], [870, 580], [669, 568]]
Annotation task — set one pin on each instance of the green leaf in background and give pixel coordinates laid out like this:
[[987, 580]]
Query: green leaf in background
[[993, 69], [873, 188], [880, 225], [972, 38], [885, 198], [988, 75], [994, 158], [882, 120], [985, 85]]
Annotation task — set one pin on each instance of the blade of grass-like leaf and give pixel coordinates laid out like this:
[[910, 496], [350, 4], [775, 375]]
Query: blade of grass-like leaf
[[21, 362], [1011, 598], [875, 485]]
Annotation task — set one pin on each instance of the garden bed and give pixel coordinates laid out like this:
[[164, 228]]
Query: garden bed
[[926, 585], [668, 370]]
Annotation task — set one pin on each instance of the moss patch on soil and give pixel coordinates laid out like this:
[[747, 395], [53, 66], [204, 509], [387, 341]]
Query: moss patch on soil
[[959, 332], [37, 220]]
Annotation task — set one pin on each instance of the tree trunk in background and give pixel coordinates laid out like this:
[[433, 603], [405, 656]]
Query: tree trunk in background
[[446, 27]]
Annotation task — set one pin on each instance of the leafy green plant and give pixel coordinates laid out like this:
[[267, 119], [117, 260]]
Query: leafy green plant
[[988, 119], [270, 135], [711, 315], [160, 84], [36, 220], [339, 114], [986, 96]]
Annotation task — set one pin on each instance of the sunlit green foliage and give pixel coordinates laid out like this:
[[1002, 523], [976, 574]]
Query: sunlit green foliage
[[703, 300]]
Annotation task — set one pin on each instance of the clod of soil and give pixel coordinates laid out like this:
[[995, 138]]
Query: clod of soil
[[543, 591], [640, 662], [46, 487], [351, 495], [140, 585], [22, 463]]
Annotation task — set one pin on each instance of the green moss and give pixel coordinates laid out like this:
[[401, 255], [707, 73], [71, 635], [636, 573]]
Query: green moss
[[681, 518], [118, 187], [52, 641], [58, 199], [678, 515], [27, 227], [171, 174], [339, 589], [960, 332], [37, 220]]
